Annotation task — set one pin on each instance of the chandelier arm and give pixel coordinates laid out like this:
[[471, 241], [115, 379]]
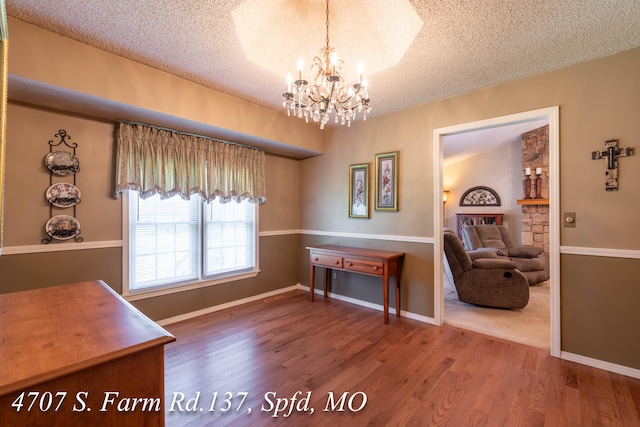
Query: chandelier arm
[[310, 106]]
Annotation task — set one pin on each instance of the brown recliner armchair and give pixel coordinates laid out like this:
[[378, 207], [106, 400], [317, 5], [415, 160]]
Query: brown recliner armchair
[[482, 278], [530, 260]]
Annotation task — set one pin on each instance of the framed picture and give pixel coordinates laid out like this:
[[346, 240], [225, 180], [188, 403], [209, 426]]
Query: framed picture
[[359, 191], [387, 181]]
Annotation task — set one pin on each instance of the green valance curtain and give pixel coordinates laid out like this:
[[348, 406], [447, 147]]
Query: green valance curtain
[[154, 160]]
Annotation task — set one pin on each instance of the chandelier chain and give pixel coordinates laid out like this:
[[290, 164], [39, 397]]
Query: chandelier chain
[[327, 25]]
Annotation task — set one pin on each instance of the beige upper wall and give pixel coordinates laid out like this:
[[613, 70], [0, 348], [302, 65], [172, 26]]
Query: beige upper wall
[[499, 169], [27, 210], [27, 179], [282, 209], [64, 68], [598, 100]]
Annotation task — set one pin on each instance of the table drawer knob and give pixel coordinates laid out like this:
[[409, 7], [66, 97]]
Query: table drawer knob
[[349, 264], [337, 262], [316, 259], [375, 268]]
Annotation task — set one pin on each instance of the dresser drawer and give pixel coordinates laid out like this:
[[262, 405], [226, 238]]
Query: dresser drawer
[[363, 266], [327, 260]]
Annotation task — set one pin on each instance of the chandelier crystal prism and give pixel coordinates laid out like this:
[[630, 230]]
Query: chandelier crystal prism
[[327, 95]]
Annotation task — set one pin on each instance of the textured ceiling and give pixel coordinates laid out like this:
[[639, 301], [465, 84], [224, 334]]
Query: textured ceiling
[[459, 45]]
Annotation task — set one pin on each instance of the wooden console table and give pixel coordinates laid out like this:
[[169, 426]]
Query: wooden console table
[[371, 262], [70, 351]]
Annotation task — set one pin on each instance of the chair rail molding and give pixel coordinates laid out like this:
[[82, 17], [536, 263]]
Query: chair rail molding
[[601, 252], [34, 249]]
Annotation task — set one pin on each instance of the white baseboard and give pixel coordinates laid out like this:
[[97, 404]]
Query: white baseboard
[[224, 306], [407, 314], [213, 309], [600, 364]]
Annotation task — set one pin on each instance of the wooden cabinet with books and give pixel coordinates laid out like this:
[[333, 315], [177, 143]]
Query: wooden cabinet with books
[[467, 219]]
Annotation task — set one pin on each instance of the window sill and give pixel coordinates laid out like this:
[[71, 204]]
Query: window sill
[[167, 290]]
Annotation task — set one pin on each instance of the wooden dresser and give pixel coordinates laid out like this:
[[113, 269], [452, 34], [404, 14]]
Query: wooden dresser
[[79, 354], [372, 262]]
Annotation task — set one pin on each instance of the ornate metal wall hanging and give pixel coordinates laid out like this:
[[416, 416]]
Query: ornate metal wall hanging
[[480, 196], [62, 195], [611, 152]]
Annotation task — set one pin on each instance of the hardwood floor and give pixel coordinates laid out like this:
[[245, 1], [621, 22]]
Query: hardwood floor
[[412, 374]]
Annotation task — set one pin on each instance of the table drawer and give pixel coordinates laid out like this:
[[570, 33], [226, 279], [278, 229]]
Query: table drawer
[[363, 266], [327, 260]]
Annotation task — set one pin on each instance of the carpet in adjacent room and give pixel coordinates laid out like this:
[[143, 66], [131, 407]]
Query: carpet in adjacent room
[[529, 325]]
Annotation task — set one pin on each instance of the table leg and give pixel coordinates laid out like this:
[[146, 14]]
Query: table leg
[[326, 280], [312, 280], [398, 287], [385, 287], [398, 294]]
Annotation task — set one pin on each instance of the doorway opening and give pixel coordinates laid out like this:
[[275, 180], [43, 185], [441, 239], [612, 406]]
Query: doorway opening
[[466, 131]]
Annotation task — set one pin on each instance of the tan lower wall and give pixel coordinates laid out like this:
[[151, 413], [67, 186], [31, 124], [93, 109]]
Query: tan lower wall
[[32, 271], [599, 305], [278, 269]]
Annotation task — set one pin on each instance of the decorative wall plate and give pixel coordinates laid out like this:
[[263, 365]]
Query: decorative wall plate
[[62, 163], [62, 227], [63, 195]]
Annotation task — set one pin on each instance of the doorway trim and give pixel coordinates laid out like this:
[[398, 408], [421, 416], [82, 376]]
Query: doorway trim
[[552, 114]]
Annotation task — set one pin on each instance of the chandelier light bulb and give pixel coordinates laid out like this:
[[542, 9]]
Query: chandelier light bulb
[[334, 62], [300, 68]]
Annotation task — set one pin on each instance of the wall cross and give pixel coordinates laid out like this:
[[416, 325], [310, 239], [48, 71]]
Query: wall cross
[[611, 152]]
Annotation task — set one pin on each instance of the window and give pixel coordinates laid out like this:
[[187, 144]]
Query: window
[[175, 243]]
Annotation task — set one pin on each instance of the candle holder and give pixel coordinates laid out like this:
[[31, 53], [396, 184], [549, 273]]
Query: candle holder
[[527, 183], [538, 189], [527, 188], [534, 191]]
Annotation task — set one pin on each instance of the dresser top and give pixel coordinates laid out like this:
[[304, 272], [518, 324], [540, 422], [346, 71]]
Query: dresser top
[[50, 332]]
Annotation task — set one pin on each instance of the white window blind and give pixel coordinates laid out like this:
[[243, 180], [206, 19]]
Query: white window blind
[[164, 241], [175, 241], [230, 237]]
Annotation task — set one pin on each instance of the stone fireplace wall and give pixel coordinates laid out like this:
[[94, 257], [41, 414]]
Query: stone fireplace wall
[[535, 217]]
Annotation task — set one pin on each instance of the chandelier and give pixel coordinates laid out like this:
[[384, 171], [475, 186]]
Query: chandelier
[[327, 95]]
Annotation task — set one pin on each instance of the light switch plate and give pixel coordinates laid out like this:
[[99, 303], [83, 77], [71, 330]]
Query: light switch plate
[[570, 219]]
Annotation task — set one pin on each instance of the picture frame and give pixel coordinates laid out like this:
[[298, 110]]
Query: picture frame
[[359, 190], [387, 181]]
